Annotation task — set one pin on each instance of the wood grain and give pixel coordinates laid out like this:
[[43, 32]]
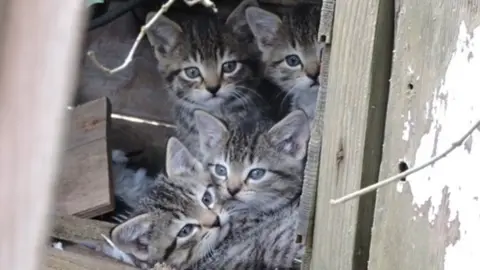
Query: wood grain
[[403, 237], [39, 45], [88, 122], [75, 229], [68, 260], [354, 123], [85, 187]]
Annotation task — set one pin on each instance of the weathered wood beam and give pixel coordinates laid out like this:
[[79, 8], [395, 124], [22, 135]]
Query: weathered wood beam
[[431, 221], [39, 49], [359, 69]]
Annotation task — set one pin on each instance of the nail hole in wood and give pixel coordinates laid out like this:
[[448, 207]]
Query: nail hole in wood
[[323, 38], [410, 86], [402, 166]]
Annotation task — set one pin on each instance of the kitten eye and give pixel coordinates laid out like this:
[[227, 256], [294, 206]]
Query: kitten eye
[[192, 72], [256, 174], [220, 170], [186, 230], [207, 198], [229, 67], [293, 60]]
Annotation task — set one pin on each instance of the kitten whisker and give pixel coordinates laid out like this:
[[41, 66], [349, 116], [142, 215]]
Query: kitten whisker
[[253, 91]]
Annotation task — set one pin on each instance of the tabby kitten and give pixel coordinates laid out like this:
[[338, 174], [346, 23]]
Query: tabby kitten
[[208, 64], [258, 242], [166, 230], [261, 167], [290, 51], [180, 221]]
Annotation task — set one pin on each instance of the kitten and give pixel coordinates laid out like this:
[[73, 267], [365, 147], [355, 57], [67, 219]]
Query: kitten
[[258, 242], [262, 166], [290, 51], [185, 224], [179, 221], [209, 64]]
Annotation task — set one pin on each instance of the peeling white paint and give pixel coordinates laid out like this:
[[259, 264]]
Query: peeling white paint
[[406, 127], [459, 171], [400, 185], [410, 70]]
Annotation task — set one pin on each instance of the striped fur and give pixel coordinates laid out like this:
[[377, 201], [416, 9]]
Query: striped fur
[[263, 209], [261, 166], [263, 212], [258, 242], [176, 222], [290, 51], [209, 64], [246, 239]]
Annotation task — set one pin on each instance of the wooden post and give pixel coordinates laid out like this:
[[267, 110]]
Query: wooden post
[[38, 59], [431, 221], [359, 70]]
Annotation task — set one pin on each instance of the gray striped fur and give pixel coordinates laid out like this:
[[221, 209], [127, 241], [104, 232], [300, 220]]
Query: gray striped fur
[[264, 212], [292, 34], [258, 242], [257, 224], [173, 202], [207, 43], [277, 150]]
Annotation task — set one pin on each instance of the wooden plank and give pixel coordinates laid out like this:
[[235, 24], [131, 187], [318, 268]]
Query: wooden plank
[[39, 45], [432, 220], [85, 187], [67, 260], [75, 229], [354, 124], [88, 122]]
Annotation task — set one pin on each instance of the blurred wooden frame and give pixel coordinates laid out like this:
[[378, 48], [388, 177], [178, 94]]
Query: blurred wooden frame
[[39, 56]]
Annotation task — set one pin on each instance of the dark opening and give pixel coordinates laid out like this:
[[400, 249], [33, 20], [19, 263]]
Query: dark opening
[[402, 166]]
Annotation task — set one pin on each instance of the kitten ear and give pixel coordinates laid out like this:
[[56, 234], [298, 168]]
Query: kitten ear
[[237, 20], [179, 161], [163, 34], [211, 130], [264, 25], [291, 134], [128, 234]]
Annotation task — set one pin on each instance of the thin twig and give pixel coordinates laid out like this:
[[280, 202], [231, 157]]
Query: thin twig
[[162, 10], [406, 173]]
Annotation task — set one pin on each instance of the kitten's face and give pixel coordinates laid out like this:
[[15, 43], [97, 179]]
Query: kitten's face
[[204, 60], [182, 217], [289, 46], [262, 170]]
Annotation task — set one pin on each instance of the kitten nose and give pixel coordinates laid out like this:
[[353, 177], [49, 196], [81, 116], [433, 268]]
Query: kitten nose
[[213, 89], [233, 191], [216, 223]]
